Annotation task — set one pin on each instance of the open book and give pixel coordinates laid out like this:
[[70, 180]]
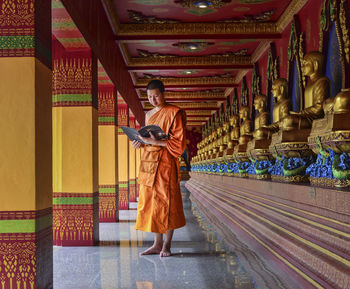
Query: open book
[[135, 134]]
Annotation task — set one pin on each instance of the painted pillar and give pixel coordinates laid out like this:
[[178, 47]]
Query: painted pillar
[[132, 164], [123, 154], [107, 146], [26, 144], [137, 168], [75, 147]]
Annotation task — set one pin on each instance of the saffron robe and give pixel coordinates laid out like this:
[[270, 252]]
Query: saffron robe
[[160, 207]]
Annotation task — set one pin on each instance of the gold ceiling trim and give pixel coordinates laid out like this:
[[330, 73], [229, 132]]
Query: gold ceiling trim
[[190, 60], [194, 123], [241, 74], [184, 105], [197, 28], [200, 113], [188, 94], [191, 81], [228, 91], [260, 50], [293, 8], [197, 118]]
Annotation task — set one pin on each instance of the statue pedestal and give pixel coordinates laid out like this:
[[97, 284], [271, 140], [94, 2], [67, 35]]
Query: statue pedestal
[[240, 153], [293, 146], [221, 151], [331, 132], [259, 149], [228, 152]]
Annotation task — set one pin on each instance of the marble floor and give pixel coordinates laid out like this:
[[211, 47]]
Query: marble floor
[[200, 259]]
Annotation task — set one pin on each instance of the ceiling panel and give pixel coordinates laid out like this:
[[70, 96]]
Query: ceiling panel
[[182, 11]]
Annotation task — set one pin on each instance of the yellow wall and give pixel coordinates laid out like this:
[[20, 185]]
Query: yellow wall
[[132, 162], [75, 149], [123, 158], [107, 152], [25, 129]]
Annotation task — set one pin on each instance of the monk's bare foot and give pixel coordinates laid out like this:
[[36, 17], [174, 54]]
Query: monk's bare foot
[[165, 251], [152, 250]]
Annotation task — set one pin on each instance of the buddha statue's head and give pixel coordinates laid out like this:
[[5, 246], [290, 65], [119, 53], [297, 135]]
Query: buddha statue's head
[[312, 63], [260, 102], [244, 112], [234, 120], [279, 88]]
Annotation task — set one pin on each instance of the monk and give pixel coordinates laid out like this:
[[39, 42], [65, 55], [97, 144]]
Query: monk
[[160, 207]]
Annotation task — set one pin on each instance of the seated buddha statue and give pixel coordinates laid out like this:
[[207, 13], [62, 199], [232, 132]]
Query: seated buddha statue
[[262, 118], [279, 91], [246, 126], [209, 146], [214, 143], [220, 136], [234, 133], [316, 92], [226, 136]]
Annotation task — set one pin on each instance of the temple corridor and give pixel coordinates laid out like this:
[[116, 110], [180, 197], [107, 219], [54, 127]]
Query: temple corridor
[[200, 260]]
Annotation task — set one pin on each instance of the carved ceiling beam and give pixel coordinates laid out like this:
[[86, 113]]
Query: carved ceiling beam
[[90, 18], [293, 8], [189, 95], [191, 81], [199, 62], [193, 118], [194, 124], [202, 113], [266, 30], [192, 106]]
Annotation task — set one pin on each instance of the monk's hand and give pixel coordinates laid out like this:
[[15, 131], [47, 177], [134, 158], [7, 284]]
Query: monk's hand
[[136, 144], [150, 140]]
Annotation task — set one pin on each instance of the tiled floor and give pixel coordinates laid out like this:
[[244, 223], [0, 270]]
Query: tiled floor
[[200, 259]]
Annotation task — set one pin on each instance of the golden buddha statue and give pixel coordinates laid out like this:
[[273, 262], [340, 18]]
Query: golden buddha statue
[[262, 119], [258, 147], [226, 136], [240, 150], [234, 133], [220, 142], [246, 126], [219, 136], [316, 92], [279, 91], [214, 144]]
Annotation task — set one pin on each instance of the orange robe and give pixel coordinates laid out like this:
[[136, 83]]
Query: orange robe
[[160, 204]]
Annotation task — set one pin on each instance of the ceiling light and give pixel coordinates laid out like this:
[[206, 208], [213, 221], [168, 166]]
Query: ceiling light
[[188, 72], [203, 4], [193, 46]]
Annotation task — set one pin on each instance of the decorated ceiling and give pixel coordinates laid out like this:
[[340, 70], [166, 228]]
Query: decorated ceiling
[[200, 49], [138, 11]]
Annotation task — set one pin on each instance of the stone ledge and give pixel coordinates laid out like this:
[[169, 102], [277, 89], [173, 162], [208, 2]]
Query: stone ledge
[[314, 245]]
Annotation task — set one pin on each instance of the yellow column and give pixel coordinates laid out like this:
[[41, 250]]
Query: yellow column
[[137, 168], [123, 155], [132, 167], [75, 148], [107, 140], [26, 145]]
